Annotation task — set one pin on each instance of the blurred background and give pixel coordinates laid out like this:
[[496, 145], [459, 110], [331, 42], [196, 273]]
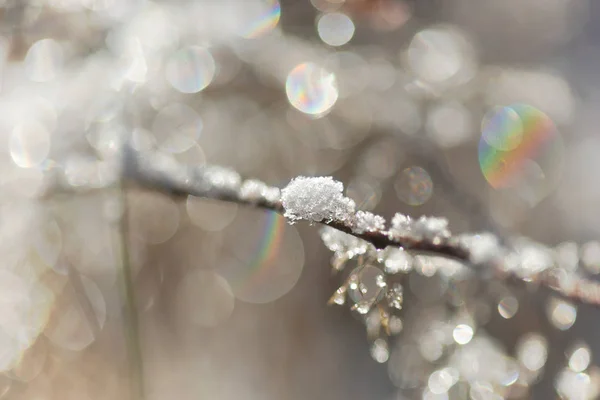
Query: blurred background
[[482, 111]]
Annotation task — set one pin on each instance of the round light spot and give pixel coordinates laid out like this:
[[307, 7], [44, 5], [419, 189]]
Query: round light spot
[[590, 256], [44, 60], [508, 307], [521, 148], [264, 256], [561, 313], [532, 351], [210, 215], [311, 89], [80, 314], [441, 56], [449, 124], [153, 218], [580, 359], [176, 128], [335, 29], [211, 291], [380, 351], [462, 334], [29, 144], [502, 128], [442, 380], [414, 186], [190, 69]]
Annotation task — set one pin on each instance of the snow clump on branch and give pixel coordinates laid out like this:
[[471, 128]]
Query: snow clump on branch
[[316, 199]]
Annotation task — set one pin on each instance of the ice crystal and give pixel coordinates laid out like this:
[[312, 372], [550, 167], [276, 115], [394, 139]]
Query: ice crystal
[[528, 259], [482, 247], [254, 190], [343, 243], [222, 178], [368, 222], [401, 226], [435, 228], [395, 260], [395, 296], [431, 228], [316, 199]]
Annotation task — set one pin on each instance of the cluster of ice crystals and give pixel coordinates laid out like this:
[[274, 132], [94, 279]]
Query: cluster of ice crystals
[[343, 243], [368, 222], [401, 226], [395, 296], [431, 228], [254, 190], [316, 199], [222, 178], [395, 260], [482, 247], [435, 228], [528, 259]]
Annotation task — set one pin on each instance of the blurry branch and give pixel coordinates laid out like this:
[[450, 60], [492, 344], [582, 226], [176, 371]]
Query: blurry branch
[[217, 183], [163, 174], [524, 262]]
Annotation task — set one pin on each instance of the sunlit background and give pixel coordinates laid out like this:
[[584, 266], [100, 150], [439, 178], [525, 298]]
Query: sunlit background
[[482, 111]]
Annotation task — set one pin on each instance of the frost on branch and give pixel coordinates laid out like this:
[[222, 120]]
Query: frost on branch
[[254, 190], [368, 222], [316, 199], [430, 228]]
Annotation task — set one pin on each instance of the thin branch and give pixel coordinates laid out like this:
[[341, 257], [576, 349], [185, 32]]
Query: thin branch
[[161, 173]]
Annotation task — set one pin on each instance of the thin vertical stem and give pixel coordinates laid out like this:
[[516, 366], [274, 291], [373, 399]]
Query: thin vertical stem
[[130, 316]]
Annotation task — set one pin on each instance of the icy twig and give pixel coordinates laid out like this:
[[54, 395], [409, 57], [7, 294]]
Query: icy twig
[[320, 200]]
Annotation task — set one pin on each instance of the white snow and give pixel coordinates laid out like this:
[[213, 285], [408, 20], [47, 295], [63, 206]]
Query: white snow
[[368, 222], [316, 199]]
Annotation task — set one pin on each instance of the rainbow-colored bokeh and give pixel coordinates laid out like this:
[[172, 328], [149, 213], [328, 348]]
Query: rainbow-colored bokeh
[[264, 264], [264, 19], [311, 89], [520, 145]]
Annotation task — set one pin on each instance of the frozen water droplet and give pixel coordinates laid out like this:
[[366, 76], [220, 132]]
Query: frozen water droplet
[[366, 285]]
